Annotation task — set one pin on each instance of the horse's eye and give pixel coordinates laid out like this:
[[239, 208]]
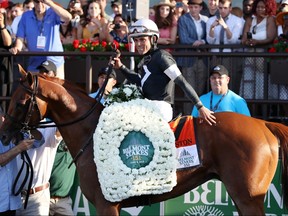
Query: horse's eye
[[21, 102], [20, 105]]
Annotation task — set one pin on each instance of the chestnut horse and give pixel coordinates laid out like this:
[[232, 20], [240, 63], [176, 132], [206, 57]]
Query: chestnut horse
[[240, 151]]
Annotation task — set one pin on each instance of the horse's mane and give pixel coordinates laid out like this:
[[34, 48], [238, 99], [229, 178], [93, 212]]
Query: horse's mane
[[67, 84]]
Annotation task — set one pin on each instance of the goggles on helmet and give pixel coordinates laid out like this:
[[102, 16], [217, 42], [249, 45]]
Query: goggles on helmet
[[140, 29]]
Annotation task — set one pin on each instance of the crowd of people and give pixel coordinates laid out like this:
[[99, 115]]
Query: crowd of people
[[184, 22], [44, 25]]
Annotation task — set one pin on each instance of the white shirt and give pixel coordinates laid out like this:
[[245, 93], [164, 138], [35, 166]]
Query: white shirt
[[42, 158], [235, 25]]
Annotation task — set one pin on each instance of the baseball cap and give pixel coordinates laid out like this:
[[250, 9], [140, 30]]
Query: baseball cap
[[48, 65], [219, 69], [105, 72]]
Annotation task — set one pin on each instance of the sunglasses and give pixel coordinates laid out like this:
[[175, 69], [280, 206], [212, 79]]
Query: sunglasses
[[36, 1]]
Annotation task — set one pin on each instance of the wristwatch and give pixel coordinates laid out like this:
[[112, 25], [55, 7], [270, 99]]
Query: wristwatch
[[3, 28]]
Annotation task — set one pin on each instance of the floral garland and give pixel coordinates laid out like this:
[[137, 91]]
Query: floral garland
[[117, 180], [122, 94], [86, 45]]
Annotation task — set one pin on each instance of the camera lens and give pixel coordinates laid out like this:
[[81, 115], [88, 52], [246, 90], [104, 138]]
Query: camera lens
[[117, 26]]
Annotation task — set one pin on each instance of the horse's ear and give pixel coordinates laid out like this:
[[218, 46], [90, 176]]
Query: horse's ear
[[22, 71], [25, 75], [29, 78]]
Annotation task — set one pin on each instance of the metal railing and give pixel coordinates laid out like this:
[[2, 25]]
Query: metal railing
[[177, 51]]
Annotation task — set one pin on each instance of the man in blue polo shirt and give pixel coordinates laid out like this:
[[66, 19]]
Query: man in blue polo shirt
[[9, 202], [39, 28], [221, 98]]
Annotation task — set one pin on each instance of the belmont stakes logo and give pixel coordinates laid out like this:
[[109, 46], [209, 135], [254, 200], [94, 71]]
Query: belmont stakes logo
[[203, 210], [136, 150], [186, 159]]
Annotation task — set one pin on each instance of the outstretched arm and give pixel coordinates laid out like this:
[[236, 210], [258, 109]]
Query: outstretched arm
[[64, 14], [204, 113]]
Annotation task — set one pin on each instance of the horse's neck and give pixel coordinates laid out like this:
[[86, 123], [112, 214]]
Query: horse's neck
[[70, 108]]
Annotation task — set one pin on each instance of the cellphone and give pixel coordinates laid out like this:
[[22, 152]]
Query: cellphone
[[179, 4], [218, 15], [117, 26], [249, 35]]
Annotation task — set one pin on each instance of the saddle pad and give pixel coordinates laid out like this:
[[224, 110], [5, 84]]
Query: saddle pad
[[187, 153]]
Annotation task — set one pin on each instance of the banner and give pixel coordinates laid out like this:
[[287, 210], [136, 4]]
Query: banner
[[81, 206], [211, 198]]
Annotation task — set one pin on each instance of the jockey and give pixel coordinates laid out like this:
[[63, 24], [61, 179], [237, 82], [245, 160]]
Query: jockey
[[157, 72]]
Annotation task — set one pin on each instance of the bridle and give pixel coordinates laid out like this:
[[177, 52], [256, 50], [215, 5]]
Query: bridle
[[33, 105]]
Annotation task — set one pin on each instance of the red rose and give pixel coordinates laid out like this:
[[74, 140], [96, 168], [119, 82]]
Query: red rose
[[95, 43], [127, 46], [272, 50], [84, 41], [76, 44], [83, 49], [116, 44], [104, 44]]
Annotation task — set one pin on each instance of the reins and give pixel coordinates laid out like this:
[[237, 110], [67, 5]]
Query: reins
[[24, 155], [98, 98], [26, 128], [29, 166]]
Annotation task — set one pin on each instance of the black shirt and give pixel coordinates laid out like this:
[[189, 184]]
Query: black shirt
[[155, 75]]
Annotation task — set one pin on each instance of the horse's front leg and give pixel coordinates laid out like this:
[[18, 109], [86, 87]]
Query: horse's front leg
[[109, 209]]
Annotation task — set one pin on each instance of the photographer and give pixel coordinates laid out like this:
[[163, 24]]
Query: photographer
[[76, 11], [93, 23], [117, 30]]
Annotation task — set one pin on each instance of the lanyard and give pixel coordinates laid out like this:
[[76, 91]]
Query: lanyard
[[42, 23], [217, 104]]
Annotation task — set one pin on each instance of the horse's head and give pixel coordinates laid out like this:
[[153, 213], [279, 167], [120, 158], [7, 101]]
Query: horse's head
[[24, 109]]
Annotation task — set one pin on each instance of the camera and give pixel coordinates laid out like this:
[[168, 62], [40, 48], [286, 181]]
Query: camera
[[249, 35], [117, 26]]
